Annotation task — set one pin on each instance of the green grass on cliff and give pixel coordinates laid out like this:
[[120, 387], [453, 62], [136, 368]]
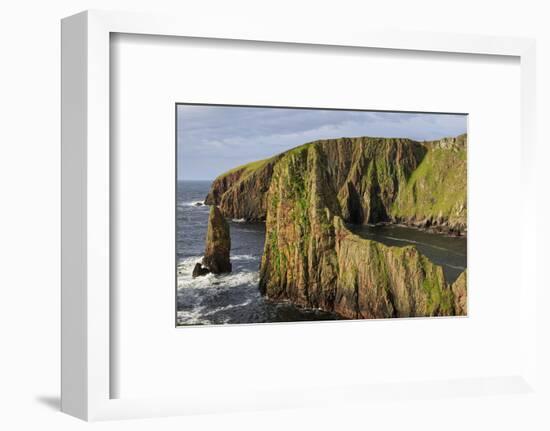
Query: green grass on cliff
[[293, 170], [290, 200], [247, 168], [439, 295], [436, 188]]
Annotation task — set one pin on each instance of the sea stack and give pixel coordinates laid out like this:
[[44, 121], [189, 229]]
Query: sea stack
[[218, 243]]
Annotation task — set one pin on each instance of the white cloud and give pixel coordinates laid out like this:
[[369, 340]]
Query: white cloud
[[213, 139]]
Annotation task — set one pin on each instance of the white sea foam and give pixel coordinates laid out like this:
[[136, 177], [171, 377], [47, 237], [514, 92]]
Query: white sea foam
[[192, 317], [245, 257], [228, 307], [219, 281], [238, 220], [199, 316], [232, 279], [194, 204], [188, 262], [186, 265]]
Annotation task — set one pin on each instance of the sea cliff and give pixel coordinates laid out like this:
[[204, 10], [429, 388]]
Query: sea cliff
[[376, 180], [309, 194]]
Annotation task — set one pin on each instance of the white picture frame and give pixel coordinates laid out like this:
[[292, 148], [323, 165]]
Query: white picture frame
[[86, 311]]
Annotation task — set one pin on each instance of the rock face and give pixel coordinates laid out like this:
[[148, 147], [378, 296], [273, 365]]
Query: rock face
[[312, 259], [376, 281], [309, 193], [199, 270], [218, 243], [435, 193], [241, 193], [460, 292], [375, 180]]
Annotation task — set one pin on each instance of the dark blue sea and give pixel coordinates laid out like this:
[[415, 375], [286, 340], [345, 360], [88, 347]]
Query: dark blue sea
[[235, 297]]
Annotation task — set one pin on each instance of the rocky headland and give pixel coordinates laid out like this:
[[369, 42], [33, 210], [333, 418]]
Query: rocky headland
[[307, 197]]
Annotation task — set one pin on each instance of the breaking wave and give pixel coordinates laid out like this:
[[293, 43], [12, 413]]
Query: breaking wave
[[194, 204], [246, 257], [216, 298], [238, 277]]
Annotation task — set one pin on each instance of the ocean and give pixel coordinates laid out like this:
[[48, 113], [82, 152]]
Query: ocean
[[235, 297]]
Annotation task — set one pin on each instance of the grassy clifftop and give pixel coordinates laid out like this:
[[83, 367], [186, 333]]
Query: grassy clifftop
[[435, 192]]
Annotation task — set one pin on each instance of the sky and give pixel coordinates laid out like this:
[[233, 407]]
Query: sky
[[214, 139]]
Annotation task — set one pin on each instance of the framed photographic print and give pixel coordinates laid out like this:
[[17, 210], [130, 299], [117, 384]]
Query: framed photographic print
[[245, 209]]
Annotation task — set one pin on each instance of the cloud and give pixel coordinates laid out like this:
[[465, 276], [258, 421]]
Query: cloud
[[213, 139]]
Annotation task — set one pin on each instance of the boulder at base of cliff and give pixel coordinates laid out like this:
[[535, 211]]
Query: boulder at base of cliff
[[218, 243], [200, 270]]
